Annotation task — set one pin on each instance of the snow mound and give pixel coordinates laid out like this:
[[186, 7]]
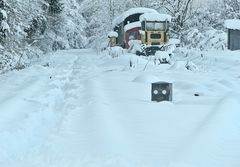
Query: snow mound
[[184, 65], [115, 51], [112, 34], [163, 56], [179, 65], [191, 66], [146, 78]]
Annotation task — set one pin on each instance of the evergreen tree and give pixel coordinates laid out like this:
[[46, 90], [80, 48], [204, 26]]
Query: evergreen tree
[[232, 9], [181, 10]]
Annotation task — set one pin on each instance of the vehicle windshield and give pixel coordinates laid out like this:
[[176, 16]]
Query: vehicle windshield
[[153, 26]]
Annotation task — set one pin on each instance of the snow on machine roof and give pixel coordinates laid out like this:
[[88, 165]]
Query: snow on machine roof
[[155, 17], [132, 25], [233, 24], [130, 12]]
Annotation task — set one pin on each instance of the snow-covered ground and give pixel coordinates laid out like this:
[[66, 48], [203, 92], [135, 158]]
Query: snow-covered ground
[[80, 108]]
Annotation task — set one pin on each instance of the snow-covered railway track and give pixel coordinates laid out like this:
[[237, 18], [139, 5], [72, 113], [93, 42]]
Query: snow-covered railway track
[[86, 109]]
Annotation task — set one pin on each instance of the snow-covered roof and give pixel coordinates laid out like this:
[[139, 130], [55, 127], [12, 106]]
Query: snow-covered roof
[[130, 12], [233, 24], [155, 17], [112, 34], [132, 25]]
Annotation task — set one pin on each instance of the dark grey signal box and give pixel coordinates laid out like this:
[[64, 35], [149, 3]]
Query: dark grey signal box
[[161, 91], [233, 39]]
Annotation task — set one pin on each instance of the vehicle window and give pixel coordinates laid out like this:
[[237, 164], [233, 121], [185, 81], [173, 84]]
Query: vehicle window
[[132, 35], [153, 26]]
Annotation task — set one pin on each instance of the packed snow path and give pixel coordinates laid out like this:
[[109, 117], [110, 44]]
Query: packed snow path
[[80, 108]]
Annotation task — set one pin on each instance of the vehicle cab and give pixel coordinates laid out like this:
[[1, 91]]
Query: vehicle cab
[[155, 28]]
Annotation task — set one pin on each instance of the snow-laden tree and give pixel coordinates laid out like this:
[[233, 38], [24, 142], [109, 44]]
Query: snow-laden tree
[[16, 53], [58, 25], [54, 6], [232, 9], [210, 16], [65, 26], [66, 29], [4, 27], [181, 10], [38, 27], [75, 25], [99, 15]]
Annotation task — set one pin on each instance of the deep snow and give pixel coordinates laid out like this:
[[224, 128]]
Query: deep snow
[[84, 108]]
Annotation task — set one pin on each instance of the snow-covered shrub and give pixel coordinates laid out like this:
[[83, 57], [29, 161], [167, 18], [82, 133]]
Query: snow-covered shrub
[[206, 39], [54, 6], [18, 58], [162, 57], [115, 51], [100, 44], [208, 16], [184, 65], [232, 9], [37, 26], [135, 46], [191, 66], [7, 61]]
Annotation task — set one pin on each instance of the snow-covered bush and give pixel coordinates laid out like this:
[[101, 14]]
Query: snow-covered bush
[[162, 57], [135, 46], [180, 10], [208, 16], [191, 66], [205, 40], [232, 9], [37, 26], [100, 44], [54, 6], [7, 61], [184, 65], [115, 51]]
